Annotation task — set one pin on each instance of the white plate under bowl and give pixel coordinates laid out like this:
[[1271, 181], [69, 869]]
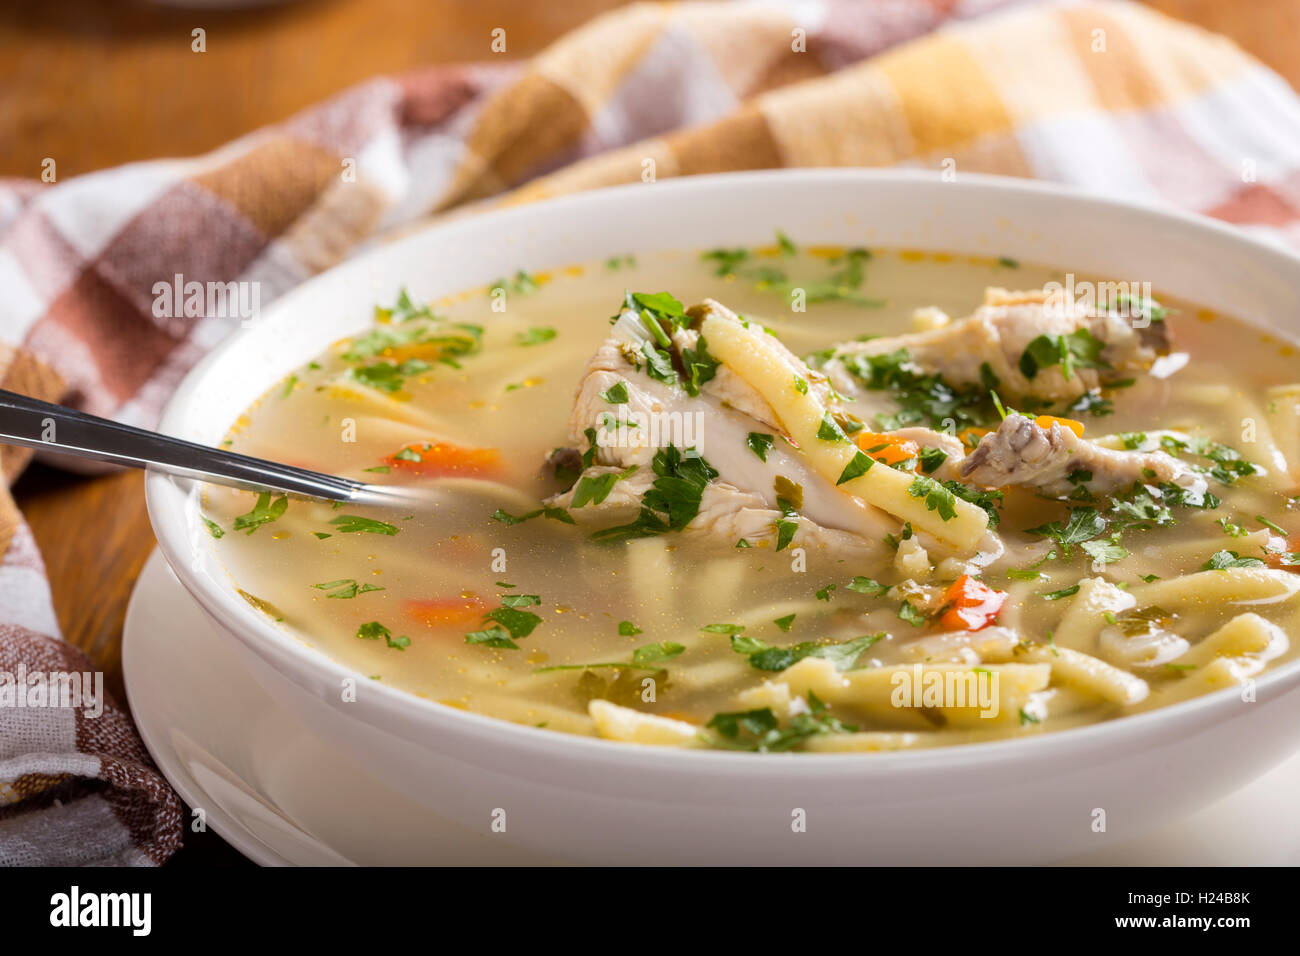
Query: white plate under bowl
[[1013, 801], [282, 796]]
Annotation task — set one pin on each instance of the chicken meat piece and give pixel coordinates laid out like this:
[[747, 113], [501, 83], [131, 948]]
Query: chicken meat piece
[[628, 409], [726, 514], [1055, 462], [990, 346]]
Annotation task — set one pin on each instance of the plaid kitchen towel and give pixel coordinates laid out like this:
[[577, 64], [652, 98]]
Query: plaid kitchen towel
[[1104, 95]]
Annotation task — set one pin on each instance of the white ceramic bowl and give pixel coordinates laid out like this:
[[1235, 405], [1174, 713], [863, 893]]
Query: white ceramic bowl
[[1020, 801]]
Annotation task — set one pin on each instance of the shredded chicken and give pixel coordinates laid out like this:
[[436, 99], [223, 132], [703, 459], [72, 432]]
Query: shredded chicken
[[744, 501], [994, 338], [1055, 461]]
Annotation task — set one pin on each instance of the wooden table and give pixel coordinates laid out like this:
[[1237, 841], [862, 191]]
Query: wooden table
[[95, 83]]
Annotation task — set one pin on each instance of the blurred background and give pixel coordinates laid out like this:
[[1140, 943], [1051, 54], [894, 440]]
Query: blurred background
[[97, 83]]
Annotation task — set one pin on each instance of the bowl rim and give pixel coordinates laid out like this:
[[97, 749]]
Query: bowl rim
[[388, 708]]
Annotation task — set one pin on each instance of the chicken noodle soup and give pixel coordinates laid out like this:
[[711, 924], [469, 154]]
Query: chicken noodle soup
[[807, 499]]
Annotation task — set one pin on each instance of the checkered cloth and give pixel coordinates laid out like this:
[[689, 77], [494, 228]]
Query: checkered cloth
[[1102, 95]]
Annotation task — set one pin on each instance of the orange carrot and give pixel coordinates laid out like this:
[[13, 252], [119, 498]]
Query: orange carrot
[[446, 612], [1047, 421], [1288, 559], [972, 604], [439, 459], [887, 449]]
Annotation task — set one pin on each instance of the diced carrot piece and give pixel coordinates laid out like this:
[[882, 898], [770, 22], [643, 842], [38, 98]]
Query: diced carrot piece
[[1047, 421], [972, 604], [970, 437], [887, 449], [1280, 559], [446, 612], [439, 459]]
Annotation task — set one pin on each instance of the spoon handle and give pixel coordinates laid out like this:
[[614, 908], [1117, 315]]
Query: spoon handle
[[35, 424]]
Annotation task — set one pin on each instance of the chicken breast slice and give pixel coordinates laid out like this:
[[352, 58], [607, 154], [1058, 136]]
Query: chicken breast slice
[[1055, 461], [744, 501], [993, 339]]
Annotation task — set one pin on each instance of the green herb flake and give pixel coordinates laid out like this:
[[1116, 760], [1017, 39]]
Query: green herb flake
[[264, 511], [535, 336], [1222, 560], [356, 524], [1062, 593], [760, 444], [858, 465]]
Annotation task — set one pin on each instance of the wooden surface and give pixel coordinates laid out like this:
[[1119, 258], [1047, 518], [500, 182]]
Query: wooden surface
[[94, 83]]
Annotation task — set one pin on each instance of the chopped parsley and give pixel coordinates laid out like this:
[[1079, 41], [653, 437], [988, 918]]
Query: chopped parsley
[[986, 499], [760, 730], [346, 588], [760, 444], [673, 499], [356, 524], [1062, 593], [595, 489], [373, 631], [830, 430], [522, 284], [616, 394], [931, 459], [906, 612], [785, 531], [507, 623], [844, 654], [1230, 559], [388, 376], [649, 657], [1105, 551], [264, 511], [858, 465], [536, 336], [1232, 530], [1082, 524], [555, 514], [924, 399], [1270, 525], [867, 586], [1077, 349], [937, 497]]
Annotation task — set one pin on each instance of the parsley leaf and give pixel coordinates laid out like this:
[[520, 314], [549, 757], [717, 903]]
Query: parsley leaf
[[760, 444], [1083, 524], [264, 511], [937, 497], [1230, 559], [356, 524]]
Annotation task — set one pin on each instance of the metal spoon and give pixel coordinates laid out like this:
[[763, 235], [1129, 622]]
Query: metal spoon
[[35, 424]]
